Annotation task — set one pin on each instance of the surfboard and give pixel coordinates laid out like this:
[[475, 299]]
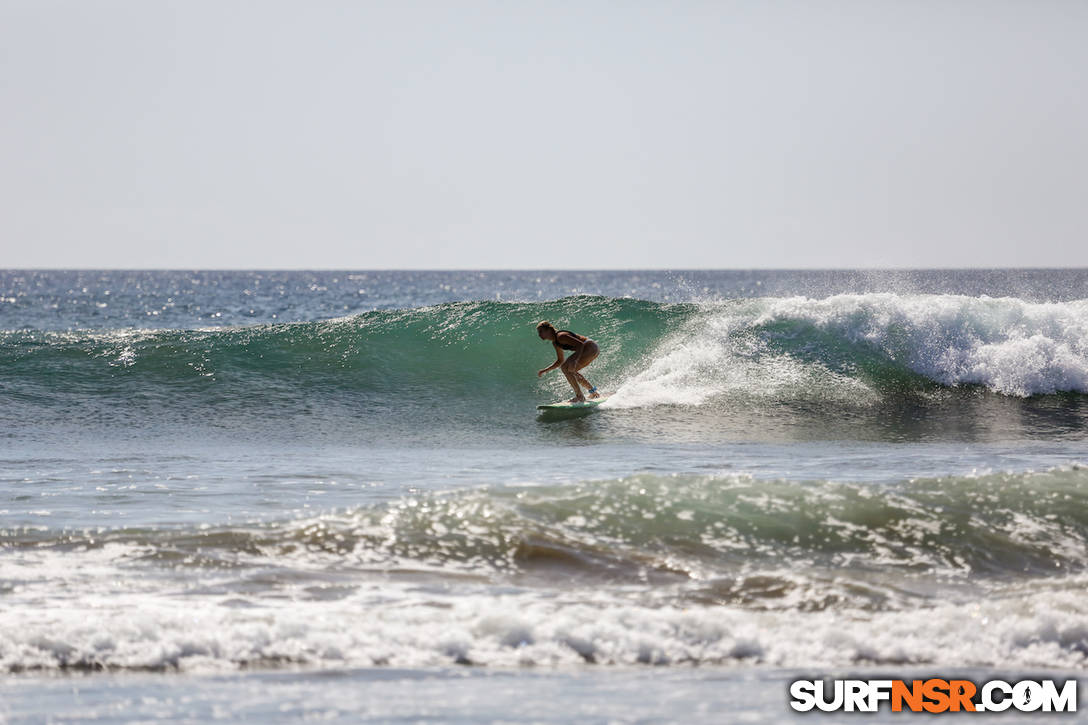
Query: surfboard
[[566, 405]]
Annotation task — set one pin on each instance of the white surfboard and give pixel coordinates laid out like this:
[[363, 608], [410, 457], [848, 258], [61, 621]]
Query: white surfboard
[[566, 405]]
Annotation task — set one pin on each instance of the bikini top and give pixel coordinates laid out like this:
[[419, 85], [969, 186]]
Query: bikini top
[[567, 347]]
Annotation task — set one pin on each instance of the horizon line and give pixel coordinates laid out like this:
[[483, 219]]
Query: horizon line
[[542, 269]]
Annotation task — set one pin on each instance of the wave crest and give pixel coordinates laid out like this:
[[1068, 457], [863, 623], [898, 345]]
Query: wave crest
[[863, 348]]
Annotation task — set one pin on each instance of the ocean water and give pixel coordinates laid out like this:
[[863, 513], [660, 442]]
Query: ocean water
[[272, 495]]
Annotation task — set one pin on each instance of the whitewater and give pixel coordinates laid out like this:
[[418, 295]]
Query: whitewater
[[274, 493]]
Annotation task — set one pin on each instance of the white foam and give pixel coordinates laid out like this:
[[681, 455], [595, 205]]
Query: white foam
[[1008, 345], [715, 355], [387, 623]]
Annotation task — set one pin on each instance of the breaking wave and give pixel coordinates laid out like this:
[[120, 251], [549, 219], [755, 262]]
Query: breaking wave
[[645, 569]]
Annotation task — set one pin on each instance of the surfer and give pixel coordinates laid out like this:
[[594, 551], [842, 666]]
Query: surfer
[[584, 351]]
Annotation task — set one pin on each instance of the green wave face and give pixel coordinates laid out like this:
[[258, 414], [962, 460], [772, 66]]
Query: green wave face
[[471, 350]]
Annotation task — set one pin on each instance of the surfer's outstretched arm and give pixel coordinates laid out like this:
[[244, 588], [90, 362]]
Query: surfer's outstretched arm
[[554, 365]]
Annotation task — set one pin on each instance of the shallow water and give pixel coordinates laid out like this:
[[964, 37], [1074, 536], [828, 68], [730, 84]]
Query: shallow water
[[461, 695]]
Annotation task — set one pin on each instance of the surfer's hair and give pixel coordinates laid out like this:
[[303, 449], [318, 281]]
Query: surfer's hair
[[544, 325]]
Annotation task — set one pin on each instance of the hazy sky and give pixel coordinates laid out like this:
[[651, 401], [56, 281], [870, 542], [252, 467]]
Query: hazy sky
[[529, 134]]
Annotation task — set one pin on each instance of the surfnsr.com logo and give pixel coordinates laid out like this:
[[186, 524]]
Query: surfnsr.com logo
[[933, 695]]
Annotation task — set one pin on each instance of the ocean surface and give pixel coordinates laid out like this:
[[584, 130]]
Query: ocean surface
[[274, 495]]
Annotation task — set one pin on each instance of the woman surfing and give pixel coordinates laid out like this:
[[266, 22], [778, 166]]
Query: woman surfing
[[583, 351]]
